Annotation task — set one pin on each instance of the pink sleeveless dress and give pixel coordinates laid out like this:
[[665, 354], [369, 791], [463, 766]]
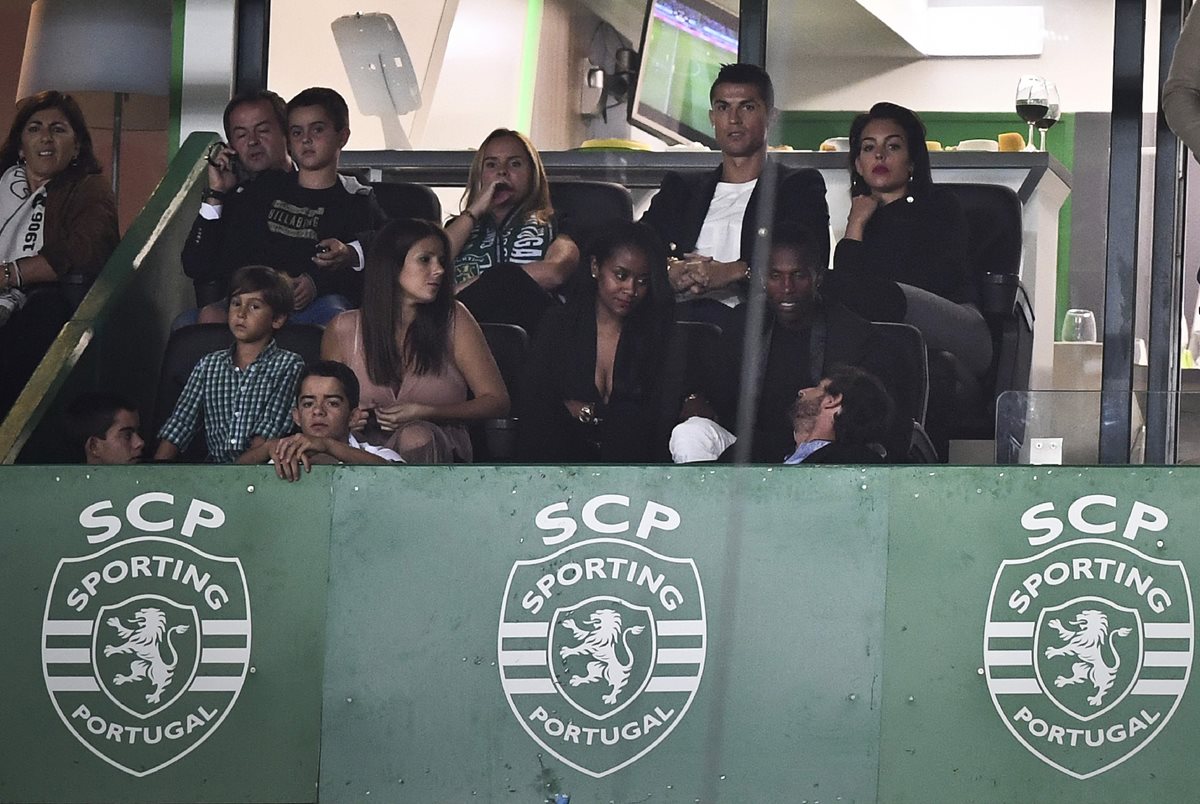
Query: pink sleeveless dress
[[416, 441]]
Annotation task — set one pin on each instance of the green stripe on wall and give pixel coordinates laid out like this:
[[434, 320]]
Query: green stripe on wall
[[807, 130], [529, 62], [178, 13]]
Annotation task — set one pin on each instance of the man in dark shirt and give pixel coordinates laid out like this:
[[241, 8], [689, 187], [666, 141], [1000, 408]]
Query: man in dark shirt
[[306, 223], [255, 130], [803, 339], [709, 219]]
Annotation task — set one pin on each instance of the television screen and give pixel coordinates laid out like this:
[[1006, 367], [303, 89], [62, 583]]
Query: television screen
[[684, 44]]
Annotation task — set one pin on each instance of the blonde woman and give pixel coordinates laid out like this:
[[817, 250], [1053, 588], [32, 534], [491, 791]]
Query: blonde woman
[[509, 258]]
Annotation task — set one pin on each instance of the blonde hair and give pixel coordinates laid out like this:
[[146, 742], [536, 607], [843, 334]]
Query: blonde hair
[[537, 203]]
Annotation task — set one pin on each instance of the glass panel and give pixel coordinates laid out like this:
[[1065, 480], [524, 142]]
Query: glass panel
[[1063, 427]]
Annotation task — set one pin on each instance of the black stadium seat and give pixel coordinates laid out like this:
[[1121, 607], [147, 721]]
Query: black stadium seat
[[496, 439], [403, 199], [584, 207], [994, 244]]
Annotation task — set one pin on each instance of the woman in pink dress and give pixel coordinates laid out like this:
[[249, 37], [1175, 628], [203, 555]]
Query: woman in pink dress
[[416, 351]]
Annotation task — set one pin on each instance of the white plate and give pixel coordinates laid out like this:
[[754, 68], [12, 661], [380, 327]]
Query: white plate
[[979, 145]]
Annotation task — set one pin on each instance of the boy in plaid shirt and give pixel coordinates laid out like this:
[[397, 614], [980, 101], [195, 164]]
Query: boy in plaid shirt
[[244, 392]]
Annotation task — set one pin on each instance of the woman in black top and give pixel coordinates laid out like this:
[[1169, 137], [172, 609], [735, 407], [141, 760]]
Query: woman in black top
[[592, 389], [904, 255]]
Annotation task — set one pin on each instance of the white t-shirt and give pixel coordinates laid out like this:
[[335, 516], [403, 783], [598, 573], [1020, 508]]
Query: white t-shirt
[[721, 235], [382, 452]]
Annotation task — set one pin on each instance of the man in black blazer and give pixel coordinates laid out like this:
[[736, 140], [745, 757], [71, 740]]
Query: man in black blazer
[[804, 338], [709, 219]]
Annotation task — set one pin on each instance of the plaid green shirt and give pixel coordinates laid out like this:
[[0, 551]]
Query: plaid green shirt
[[237, 404]]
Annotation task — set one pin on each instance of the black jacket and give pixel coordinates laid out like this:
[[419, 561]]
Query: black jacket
[[677, 212]]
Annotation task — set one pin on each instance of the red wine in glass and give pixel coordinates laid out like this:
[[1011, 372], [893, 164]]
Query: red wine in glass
[[1032, 111], [1032, 102]]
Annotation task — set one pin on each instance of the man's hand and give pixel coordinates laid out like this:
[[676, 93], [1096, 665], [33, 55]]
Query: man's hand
[[680, 275], [221, 175], [709, 274], [333, 254], [304, 290]]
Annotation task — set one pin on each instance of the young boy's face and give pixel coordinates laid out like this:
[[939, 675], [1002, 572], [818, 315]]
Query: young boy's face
[[251, 319], [121, 443], [314, 142], [322, 410]]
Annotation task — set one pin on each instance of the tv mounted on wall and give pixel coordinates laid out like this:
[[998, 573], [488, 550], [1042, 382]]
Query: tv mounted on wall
[[684, 43]]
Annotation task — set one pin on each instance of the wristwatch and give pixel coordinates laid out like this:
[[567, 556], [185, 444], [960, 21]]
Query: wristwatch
[[587, 414]]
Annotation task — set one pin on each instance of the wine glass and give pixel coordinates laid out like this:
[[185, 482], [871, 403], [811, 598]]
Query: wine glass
[[1032, 103], [1052, 112], [1079, 326]]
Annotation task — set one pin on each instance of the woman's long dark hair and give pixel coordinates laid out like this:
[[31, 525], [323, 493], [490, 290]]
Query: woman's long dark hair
[[914, 133], [85, 162], [426, 341]]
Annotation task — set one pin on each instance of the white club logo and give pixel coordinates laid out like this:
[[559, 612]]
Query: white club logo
[[144, 639], [145, 648], [614, 631], [1087, 651]]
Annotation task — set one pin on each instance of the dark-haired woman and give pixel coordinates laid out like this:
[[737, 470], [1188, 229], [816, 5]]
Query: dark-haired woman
[[904, 255], [416, 351], [58, 226], [592, 391]]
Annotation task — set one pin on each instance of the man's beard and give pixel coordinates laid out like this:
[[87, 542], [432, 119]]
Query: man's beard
[[804, 413]]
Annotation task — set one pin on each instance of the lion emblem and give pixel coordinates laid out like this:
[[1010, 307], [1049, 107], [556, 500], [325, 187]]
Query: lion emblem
[[1087, 645], [143, 641], [601, 644]]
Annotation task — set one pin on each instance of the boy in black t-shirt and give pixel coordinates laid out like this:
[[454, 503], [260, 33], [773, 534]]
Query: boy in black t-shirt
[[308, 224]]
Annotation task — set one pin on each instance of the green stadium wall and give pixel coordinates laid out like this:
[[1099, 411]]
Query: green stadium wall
[[411, 634]]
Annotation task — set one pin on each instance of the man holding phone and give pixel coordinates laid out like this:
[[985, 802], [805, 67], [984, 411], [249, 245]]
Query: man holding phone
[[255, 126], [309, 223]]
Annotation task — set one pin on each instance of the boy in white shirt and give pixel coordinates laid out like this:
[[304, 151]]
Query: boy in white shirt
[[326, 404]]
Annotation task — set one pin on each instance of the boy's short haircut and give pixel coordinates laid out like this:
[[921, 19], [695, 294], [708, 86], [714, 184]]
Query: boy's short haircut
[[336, 370], [741, 73], [255, 96], [91, 414], [275, 287], [328, 99]]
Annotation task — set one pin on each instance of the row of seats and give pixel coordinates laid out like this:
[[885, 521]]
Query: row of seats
[[495, 441]]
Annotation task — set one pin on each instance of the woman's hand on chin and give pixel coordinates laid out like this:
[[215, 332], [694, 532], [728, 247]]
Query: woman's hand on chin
[[862, 207]]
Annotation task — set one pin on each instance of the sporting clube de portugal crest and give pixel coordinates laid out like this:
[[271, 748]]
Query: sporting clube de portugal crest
[[602, 642], [146, 642], [1089, 640]]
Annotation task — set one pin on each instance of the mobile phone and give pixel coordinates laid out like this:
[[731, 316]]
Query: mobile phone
[[235, 163]]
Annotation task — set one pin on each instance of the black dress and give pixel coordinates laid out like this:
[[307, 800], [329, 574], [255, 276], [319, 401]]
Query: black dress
[[918, 240], [562, 366]]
